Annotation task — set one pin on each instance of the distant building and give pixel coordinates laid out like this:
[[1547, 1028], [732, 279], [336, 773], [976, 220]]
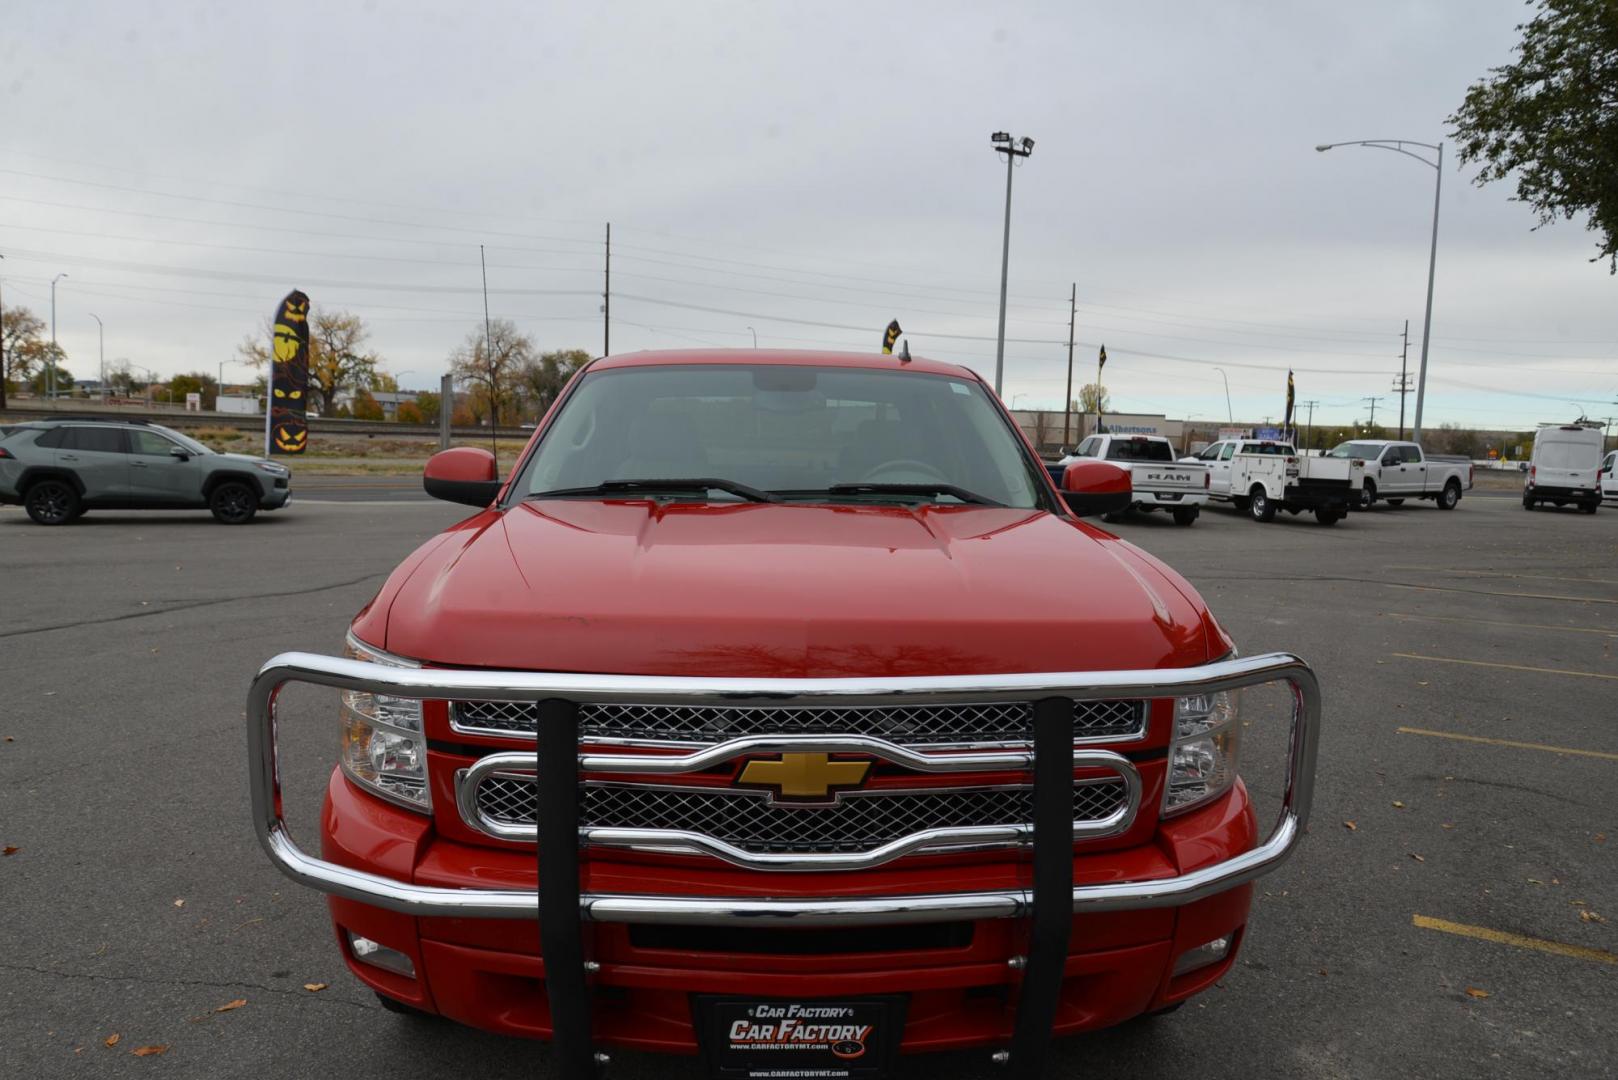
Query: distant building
[[390, 400]]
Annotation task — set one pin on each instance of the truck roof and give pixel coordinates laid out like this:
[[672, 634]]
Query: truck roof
[[783, 357]]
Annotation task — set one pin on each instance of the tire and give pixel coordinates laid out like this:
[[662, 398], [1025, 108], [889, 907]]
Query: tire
[[1328, 517], [1260, 505], [1185, 515], [52, 502], [233, 503], [1396, 502], [1367, 496], [393, 1005], [1527, 503], [1450, 496], [1590, 508]]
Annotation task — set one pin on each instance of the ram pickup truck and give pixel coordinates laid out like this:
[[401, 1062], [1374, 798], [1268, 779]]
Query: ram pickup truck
[[740, 720], [1159, 481], [1397, 471]]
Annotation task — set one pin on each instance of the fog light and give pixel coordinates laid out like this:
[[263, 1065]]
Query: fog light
[[1203, 955], [376, 954]]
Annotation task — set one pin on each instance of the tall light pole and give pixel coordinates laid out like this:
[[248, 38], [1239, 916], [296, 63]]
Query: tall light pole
[[1230, 416], [750, 330], [1003, 143], [3, 369], [101, 353], [50, 377], [1437, 165]]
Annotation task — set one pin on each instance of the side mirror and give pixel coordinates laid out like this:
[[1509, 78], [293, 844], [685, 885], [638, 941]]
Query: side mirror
[[465, 475], [1094, 487], [180, 452]]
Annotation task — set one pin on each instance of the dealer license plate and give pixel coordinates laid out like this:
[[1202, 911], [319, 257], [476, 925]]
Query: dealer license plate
[[788, 1039]]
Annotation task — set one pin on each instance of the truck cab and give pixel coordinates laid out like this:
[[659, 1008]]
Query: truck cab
[[774, 685]]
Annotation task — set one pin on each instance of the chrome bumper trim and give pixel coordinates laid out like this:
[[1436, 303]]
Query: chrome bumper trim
[[430, 901]]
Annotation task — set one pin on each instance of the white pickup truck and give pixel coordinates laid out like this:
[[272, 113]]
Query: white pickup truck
[[1397, 471], [1262, 477], [1158, 481]]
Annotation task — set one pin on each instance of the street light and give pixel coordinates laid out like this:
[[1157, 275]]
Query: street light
[[101, 350], [750, 330], [1398, 147], [50, 367], [1003, 143]]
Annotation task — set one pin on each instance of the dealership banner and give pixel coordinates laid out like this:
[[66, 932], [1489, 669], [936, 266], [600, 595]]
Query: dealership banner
[[286, 428]]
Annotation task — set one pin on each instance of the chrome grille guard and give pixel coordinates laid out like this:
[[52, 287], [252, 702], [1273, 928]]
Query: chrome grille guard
[[443, 684]]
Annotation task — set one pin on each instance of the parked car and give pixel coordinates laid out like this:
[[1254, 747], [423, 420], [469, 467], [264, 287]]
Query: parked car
[[1566, 467], [59, 468], [744, 662], [1609, 477], [1397, 471], [1157, 480]]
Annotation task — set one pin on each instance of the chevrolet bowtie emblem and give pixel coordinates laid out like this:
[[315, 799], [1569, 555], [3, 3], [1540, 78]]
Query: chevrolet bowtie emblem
[[804, 776]]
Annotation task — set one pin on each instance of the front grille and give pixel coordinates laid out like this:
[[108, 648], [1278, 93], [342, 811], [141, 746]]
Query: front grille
[[908, 725], [858, 822]]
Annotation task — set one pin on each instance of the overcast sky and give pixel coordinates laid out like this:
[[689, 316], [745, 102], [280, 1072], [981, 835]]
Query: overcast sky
[[810, 171]]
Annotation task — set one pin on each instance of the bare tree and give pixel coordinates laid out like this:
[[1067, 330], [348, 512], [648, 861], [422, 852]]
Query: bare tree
[[492, 362]]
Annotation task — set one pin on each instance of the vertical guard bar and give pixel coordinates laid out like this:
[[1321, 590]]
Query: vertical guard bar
[[1053, 886], [561, 932]]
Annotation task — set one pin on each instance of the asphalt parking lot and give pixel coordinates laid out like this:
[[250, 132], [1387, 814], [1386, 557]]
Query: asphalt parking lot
[[1453, 912]]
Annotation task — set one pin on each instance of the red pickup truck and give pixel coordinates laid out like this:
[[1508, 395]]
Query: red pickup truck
[[779, 707]]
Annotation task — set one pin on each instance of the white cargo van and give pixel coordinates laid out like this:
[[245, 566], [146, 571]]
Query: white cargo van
[[1565, 468]]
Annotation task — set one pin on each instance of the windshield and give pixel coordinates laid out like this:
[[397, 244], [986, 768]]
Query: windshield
[[1268, 449], [786, 430], [189, 443], [1365, 451], [1139, 450]]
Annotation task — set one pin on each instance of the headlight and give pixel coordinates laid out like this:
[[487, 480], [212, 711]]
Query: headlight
[[273, 469], [1202, 756], [384, 749]]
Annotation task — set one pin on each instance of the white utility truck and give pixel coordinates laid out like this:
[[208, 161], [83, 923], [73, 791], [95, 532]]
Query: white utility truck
[[1397, 471], [1566, 467], [1158, 481]]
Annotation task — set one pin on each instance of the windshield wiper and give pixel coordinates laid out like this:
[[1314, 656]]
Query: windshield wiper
[[671, 487], [951, 490]]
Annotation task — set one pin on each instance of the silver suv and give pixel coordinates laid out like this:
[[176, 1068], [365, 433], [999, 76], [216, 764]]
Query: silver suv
[[59, 468]]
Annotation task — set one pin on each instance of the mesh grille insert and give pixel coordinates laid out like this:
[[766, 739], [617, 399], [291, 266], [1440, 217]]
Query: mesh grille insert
[[907, 725]]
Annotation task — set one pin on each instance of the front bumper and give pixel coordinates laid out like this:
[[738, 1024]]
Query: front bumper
[[563, 906]]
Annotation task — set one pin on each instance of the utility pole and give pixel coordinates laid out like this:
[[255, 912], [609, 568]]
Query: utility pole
[[1373, 400], [101, 351], [1401, 385], [606, 302], [1003, 143], [488, 357], [1309, 426], [1067, 401], [3, 368], [50, 378]]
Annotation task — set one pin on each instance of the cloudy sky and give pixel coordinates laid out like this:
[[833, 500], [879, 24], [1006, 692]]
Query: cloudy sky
[[806, 173]]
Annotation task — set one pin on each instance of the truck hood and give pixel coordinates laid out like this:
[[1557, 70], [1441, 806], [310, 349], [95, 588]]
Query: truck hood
[[765, 590]]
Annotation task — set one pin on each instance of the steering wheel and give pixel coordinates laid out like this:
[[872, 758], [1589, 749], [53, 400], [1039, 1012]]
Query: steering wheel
[[903, 465]]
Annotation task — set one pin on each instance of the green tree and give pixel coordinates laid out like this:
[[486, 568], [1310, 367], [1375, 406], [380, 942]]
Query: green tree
[[543, 378], [39, 382], [24, 347], [1551, 118], [428, 403], [195, 382]]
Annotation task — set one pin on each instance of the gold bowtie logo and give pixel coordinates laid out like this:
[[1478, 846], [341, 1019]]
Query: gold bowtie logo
[[804, 776]]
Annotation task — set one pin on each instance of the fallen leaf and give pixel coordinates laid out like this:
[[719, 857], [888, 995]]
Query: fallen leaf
[[10, 849], [1590, 916], [1576, 903], [1598, 838], [179, 902], [148, 1051], [1351, 826], [314, 988], [1447, 825], [1472, 991], [112, 1040], [13, 738], [229, 1005], [1535, 881], [1418, 858], [1397, 805], [1420, 683]]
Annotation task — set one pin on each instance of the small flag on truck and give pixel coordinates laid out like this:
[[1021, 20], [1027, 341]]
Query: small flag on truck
[[890, 336]]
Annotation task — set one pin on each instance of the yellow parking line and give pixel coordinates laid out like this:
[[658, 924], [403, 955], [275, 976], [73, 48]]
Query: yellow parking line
[[1508, 667], [1501, 622], [1492, 592], [1508, 574], [1512, 743], [1501, 937]]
